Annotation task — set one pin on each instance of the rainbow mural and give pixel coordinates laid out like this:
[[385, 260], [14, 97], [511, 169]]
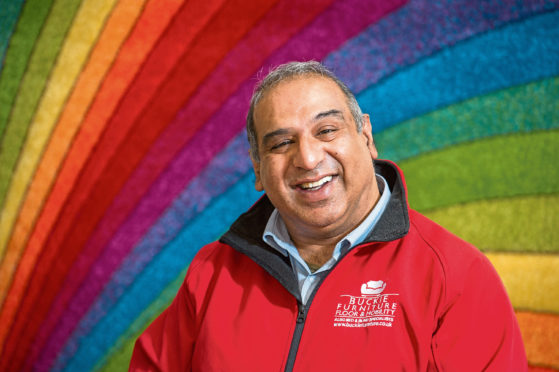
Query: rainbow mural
[[123, 151]]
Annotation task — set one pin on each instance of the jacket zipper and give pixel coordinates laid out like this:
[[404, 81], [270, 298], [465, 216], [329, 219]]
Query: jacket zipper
[[297, 333], [302, 316]]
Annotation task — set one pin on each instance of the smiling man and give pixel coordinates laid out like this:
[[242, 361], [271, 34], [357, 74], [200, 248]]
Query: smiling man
[[331, 270]]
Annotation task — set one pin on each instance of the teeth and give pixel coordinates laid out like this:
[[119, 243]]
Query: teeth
[[312, 185]]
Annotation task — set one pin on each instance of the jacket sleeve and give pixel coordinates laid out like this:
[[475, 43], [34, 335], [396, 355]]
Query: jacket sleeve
[[167, 343], [478, 330]]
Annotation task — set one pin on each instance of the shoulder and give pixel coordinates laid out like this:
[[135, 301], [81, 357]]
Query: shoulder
[[448, 247], [458, 259], [206, 263], [215, 259], [210, 255]]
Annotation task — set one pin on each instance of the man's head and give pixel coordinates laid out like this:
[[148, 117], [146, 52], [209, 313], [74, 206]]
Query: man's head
[[312, 151], [293, 70]]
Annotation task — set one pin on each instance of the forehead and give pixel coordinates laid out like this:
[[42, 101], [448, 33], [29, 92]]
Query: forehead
[[299, 98]]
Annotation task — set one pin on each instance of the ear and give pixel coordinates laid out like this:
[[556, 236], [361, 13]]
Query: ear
[[367, 132], [258, 182]]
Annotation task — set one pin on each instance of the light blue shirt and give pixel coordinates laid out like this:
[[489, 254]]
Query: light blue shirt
[[277, 236]]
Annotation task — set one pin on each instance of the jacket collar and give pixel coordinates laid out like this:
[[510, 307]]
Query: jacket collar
[[245, 234]]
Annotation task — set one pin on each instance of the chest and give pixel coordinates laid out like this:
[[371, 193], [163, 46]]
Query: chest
[[372, 314]]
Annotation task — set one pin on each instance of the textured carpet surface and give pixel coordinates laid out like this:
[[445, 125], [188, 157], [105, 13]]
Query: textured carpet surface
[[122, 135]]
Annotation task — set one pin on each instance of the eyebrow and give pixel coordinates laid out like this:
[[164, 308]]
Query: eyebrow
[[325, 114]]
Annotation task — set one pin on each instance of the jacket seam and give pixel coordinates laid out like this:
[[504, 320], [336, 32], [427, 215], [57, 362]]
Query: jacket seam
[[445, 289], [437, 255], [187, 293]]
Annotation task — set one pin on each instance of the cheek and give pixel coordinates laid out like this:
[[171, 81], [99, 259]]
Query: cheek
[[271, 175], [355, 160], [345, 155]]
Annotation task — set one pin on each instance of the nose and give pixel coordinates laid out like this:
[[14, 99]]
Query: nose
[[308, 154]]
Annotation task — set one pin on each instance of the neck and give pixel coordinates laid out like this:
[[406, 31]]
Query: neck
[[315, 255]]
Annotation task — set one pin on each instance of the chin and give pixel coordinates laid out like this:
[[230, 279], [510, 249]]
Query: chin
[[322, 219]]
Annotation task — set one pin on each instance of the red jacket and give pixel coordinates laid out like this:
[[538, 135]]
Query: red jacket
[[413, 297]]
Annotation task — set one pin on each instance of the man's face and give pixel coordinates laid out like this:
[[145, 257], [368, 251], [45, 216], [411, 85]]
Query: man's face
[[314, 165]]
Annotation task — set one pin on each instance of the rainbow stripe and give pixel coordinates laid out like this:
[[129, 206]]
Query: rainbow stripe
[[123, 151]]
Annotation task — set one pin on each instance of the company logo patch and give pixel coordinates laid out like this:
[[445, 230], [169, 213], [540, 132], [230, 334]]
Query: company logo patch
[[372, 309]]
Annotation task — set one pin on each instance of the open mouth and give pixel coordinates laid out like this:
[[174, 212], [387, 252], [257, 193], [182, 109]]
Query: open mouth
[[311, 186]]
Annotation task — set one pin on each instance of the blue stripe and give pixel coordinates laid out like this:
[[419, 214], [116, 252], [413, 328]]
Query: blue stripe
[[516, 54]]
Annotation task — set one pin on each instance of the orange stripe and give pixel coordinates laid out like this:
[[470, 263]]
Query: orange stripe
[[151, 24], [540, 332]]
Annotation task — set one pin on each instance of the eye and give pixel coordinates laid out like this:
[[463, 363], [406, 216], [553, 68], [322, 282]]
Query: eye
[[327, 133], [281, 144]]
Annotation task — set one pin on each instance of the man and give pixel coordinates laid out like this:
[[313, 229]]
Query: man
[[330, 270]]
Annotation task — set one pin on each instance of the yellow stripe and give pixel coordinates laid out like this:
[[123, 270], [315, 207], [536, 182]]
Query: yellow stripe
[[531, 280], [520, 224], [85, 29]]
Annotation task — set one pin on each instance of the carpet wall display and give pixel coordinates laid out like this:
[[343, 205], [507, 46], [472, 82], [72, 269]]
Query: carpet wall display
[[123, 149]]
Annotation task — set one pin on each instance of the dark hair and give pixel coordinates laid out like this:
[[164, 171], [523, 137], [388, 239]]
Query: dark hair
[[289, 71]]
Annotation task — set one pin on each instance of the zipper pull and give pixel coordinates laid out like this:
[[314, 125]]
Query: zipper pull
[[302, 314]]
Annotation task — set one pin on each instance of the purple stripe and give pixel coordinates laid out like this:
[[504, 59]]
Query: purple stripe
[[328, 31]]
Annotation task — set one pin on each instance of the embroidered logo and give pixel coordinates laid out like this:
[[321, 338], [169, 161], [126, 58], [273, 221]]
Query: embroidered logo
[[371, 309], [372, 287]]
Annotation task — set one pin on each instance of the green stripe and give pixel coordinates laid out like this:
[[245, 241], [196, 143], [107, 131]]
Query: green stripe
[[32, 86], [23, 39], [119, 357], [521, 224], [504, 166], [119, 360], [519, 109]]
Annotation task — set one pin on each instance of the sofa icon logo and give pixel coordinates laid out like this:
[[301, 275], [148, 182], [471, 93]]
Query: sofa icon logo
[[372, 287]]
